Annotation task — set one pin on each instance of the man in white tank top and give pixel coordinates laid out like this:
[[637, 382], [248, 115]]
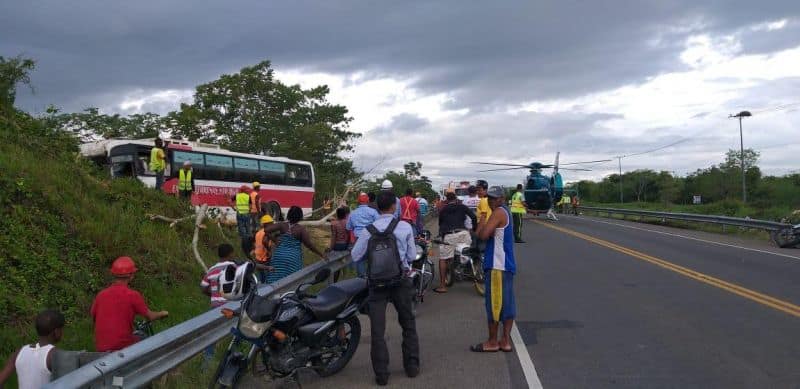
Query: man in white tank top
[[33, 362]]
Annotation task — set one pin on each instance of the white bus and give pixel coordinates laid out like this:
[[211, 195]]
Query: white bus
[[218, 173]]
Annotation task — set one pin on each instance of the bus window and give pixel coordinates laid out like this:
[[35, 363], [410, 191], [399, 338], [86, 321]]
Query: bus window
[[197, 160], [298, 175], [272, 172], [245, 170], [218, 167], [122, 166]]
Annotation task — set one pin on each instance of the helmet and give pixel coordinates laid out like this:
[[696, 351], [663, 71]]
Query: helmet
[[123, 266], [235, 281], [386, 184], [266, 219], [244, 189], [256, 183]]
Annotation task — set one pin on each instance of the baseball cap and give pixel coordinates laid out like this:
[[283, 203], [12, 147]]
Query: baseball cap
[[496, 191], [363, 198]]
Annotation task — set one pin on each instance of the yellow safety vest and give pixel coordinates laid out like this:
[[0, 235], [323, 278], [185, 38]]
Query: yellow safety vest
[[156, 164], [185, 180], [243, 203], [516, 203]]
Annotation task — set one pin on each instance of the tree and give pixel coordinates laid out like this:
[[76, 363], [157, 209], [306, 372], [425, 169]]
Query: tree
[[253, 112], [13, 71], [91, 124]]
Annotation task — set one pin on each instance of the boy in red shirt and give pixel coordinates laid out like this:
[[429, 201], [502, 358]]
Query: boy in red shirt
[[115, 308]]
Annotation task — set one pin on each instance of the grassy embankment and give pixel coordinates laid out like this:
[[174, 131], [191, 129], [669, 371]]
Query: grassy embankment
[[62, 222]]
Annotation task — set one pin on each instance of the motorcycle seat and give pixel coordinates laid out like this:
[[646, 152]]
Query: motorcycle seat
[[331, 300]]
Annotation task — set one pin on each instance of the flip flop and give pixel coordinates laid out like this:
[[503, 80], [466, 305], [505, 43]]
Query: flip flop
[[437, 290], [478, 348], [510, 349]]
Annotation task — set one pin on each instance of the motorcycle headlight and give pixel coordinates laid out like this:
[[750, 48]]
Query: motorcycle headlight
[[251, 329], [420, 251]]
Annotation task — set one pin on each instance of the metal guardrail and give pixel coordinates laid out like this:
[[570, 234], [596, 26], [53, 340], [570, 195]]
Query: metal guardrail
[[724, 220], [147, 360]]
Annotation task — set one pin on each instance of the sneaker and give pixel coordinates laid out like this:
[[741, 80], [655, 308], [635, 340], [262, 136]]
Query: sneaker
[[381, 380], [412, 371]]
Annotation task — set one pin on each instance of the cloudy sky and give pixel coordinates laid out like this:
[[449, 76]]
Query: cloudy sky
[[449, 82]]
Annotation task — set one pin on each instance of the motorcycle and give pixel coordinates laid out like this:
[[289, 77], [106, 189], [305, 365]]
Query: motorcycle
[[466, 265], [295, 330], [422, 270], [787, 237], [143, 329]]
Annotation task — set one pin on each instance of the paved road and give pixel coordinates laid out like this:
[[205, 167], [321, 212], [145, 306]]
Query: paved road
[[606, 303]]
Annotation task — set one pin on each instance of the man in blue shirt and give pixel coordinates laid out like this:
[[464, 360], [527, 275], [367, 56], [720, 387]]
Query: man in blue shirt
[[400, 295], [359, 219]]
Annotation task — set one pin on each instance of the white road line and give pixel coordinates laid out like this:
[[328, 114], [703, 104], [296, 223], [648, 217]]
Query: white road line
[[696, 239], [525, 360]]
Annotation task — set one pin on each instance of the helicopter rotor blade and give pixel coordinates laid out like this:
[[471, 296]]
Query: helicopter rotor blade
[[578, 163], [507, 168], [575, 169], [501, 164]]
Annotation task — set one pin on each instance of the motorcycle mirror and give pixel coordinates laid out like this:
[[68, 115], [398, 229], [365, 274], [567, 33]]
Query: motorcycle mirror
[[322, 275]]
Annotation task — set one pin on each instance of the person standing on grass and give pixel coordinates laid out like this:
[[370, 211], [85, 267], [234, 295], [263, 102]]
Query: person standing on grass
[[158, 162], [34, 362], [186, 181], [115, 308], [255, 206], [287, 258], [499, 268], [518, 209], [241, 203]]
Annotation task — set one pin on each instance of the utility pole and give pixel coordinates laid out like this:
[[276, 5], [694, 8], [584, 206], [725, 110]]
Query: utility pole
[[619, 160], [740, 115]]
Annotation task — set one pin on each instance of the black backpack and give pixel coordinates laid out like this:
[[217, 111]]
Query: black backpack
[[384, 265]]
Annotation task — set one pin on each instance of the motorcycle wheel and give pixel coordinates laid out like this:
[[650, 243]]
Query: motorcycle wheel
[[478, 279], [353, 336], [450, 276], [215, 384]]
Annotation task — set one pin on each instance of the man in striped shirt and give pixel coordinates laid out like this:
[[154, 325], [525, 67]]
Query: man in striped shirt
[[210, 285]]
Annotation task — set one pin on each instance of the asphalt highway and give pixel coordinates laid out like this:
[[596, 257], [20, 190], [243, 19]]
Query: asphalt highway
[[612, 304]]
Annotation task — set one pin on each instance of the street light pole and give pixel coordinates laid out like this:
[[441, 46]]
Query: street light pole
[[619, 160], [740, 115]]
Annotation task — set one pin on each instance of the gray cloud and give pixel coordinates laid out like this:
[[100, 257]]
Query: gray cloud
[[485, 56]]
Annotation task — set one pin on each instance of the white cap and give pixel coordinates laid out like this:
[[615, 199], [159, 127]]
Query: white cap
[[386, 184]]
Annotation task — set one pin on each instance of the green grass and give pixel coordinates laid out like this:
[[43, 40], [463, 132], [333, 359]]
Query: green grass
[[62, 223]]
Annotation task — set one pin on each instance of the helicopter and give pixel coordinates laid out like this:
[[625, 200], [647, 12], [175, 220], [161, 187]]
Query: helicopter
[[541, 191]]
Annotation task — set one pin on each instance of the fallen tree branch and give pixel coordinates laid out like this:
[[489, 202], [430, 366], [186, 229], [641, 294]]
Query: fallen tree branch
[[201, 214], [172, 221]]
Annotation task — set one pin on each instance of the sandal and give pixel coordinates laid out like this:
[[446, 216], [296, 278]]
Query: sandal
[[510, 349], [478, 348]]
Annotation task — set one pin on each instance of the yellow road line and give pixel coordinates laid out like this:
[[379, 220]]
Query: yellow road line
[[772, 302]]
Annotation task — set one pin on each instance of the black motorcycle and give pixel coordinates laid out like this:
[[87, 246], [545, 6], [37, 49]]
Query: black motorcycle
[[296, 330], [466, 265], [423, 270]]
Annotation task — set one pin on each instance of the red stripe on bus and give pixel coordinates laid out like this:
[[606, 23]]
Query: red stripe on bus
[[220, 196]]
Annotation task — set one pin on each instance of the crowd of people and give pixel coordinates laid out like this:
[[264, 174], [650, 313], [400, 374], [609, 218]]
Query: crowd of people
[[275, 248]]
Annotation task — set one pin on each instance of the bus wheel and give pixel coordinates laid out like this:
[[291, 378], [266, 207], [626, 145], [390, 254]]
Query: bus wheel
[[273, 209]]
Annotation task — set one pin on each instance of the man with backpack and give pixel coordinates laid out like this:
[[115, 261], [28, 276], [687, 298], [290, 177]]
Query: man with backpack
[[388, 247]]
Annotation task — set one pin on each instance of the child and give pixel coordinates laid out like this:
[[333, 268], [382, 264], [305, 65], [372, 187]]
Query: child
[[33, 362], [210, 283]]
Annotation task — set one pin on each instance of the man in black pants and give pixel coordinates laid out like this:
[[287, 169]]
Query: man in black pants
[[400, 295]]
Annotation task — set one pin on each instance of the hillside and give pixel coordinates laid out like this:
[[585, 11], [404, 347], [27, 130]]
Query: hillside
[[62, 222]]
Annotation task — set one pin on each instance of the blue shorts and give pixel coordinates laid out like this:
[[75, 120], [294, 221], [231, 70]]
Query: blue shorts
[[499, 296]]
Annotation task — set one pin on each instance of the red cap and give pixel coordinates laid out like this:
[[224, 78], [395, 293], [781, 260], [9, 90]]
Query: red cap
[[363, 198], [123, 266]]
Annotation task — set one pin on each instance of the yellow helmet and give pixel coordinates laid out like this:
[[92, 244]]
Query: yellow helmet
[[256, 183], [266, 219]]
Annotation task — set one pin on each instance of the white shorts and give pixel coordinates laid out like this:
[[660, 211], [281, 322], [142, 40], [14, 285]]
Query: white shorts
[[455, 239]]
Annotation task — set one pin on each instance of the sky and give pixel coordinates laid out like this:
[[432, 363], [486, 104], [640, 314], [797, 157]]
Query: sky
[[451, 82]]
